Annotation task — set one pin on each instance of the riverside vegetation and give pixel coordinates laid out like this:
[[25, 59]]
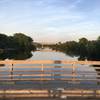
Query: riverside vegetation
[[84, 48], [18, 46]]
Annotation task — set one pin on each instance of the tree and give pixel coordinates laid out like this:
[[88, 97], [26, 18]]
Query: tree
[[83, 43], [3, 41], [23, 42], [98, 39], [17, 42]]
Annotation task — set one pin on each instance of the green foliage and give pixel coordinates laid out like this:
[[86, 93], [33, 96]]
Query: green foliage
[[83, 41], [84, 49], [3, 41], [17, 42], [98, 38], [83, 44]]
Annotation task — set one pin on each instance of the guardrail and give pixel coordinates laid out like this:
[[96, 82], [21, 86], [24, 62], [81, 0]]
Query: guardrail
[[48, 70], [49, 93], [20, 70]]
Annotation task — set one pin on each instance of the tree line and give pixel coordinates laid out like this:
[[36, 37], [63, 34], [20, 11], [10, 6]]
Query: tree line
[[18, 42], [84, 48]]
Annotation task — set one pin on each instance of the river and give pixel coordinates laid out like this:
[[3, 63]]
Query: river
[[47, 54]]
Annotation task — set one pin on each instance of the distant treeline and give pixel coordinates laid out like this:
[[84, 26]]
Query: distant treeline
[[84, 48], [18, 42]]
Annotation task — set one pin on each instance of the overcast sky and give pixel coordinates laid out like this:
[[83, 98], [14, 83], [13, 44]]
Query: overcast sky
[[51, 20]]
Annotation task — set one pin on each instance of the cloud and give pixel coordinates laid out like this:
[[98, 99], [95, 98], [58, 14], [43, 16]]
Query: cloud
[[75, 3], [53, 19]]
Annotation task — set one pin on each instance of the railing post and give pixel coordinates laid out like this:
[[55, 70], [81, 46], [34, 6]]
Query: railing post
[[82, 93], [42, 68], [11, 69], [58, 62], [73, 72], [95, 93], [4, 94], [42, 71]]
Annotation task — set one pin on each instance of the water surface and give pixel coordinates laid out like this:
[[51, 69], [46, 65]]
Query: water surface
[[55, 76]]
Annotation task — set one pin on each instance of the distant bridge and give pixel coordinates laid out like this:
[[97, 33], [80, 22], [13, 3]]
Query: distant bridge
[[48, 78]]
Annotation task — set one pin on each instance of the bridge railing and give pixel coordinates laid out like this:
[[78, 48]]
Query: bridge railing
[[30, 70], [47, 70], [8, 94]]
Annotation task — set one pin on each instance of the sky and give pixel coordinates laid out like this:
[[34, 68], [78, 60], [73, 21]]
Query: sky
[[51, 21]]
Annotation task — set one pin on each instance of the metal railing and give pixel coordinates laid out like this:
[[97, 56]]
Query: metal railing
[[49, 70]]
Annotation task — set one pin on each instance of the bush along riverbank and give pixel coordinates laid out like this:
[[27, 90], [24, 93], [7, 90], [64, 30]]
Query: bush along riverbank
[[84, 48], [18, 46], [18, 42]]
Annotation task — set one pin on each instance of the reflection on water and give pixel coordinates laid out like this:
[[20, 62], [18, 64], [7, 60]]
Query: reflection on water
[[2, 65], [49, 55], [15, 55], [56, 72], [97, 69], [57, 67]]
